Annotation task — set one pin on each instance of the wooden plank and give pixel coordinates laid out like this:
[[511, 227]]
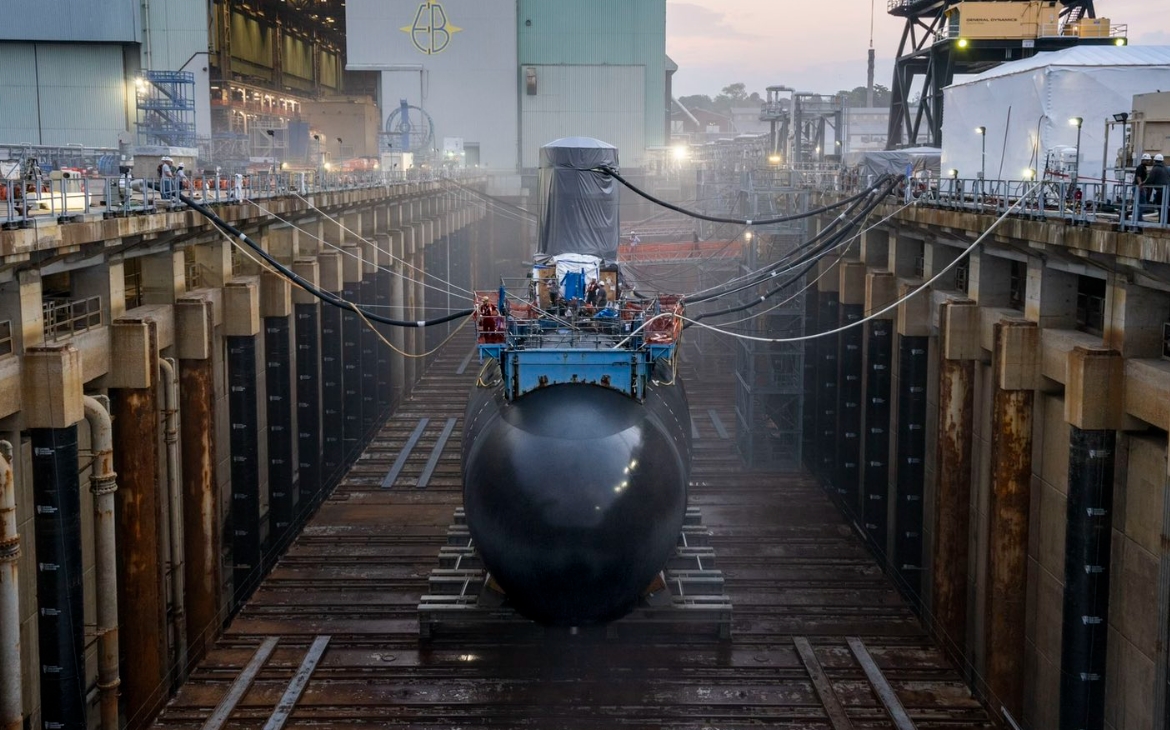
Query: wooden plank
[[436, 452], [392, 475], [881, 687], [718, 424], [239, 688], [296, 687], [829, 699]]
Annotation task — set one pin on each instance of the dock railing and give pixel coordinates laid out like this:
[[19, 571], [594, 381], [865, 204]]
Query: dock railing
[[25, 202]]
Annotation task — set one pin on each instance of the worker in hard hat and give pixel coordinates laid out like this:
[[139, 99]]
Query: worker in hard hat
[[1157, 181], [1141, 172]]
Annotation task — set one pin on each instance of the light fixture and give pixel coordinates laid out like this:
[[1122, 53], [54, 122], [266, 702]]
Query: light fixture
[[775, 159], [1029, 174], [284, 165], [1120, 42], [981, 130], [681, 152], [1122, 117], [953, 173], [963, 43], [747, 236], [1076, 122]]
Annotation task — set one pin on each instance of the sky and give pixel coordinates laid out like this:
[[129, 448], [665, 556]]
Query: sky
[[818, 46]]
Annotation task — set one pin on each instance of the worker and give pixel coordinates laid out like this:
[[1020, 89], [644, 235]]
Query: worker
[[181, 181], [1156, 181], [591, 294], [554, 293], [600, 297], [1141, 172], [166, 177]]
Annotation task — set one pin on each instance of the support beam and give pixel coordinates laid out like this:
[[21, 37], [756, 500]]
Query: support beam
[[1015, 366], [195, 325], [958, 348], [879, 341]]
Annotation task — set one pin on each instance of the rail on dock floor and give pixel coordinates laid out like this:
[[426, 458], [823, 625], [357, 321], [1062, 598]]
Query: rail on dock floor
[[821, 637]]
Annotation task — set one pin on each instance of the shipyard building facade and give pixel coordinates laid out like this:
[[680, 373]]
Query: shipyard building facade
[[505, 77]]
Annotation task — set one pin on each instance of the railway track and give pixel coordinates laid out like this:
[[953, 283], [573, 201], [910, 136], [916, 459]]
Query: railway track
[[822, 639]]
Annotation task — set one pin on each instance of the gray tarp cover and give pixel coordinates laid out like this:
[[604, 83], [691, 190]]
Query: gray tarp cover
[[580, 212], [894, 161]]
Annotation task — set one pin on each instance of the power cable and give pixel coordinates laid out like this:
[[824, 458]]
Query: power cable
[[738, 221], [894, 305], [324, 296]]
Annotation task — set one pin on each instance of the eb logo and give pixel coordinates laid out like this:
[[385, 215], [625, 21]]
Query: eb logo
[[432, 29]]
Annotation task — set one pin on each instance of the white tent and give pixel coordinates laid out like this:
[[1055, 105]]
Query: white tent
[[1026, 107]]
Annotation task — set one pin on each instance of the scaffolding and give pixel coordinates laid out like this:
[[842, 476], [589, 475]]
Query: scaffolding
[[769, 402], [166, 108]]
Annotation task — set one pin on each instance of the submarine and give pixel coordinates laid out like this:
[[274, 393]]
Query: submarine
[[576, 440]]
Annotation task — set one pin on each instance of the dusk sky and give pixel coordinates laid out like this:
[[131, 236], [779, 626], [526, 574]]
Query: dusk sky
[[818, 46]]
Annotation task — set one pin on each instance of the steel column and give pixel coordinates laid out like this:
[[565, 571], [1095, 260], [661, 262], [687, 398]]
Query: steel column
[[332, 399], [1007, 567], [826, 424], [849, 408], [911, 433], [141, 593], [351, 358], [201, 533], [245, 467], [879, 355], [1088, 540], [60, 603], [308, 393], [956, 405], [281, 469]]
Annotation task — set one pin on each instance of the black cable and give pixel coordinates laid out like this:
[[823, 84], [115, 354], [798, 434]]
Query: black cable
[[790, 258], [493, 199], [738, 221], [292, 276], [797, 277]]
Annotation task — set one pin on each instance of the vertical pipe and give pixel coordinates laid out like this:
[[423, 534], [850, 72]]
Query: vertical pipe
[[956, 405], [103, 484], [879, 357], [245, 466], [60, 605], [308, 340], [849, 391], [170, 389], [278, 376], [11, 691], [1007, 568], [201, 529], [911, 432], [1086, 578]]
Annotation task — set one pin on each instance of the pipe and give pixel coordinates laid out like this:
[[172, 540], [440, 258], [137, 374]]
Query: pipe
[[11, 692], [170, 388], [103, 483]]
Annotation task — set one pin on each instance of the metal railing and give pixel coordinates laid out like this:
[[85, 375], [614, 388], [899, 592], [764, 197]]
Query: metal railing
[[1043, 30], [64, 318], [6, 337], [25, 201], [1121, 204]]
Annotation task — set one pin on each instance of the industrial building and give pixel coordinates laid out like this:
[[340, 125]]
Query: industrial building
[[920, 463], [508, 76]]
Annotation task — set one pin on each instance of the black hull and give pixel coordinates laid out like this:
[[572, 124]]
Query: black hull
[[575, 495]]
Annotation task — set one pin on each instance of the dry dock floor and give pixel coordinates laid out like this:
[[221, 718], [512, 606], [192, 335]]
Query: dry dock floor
[[811, 605]]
